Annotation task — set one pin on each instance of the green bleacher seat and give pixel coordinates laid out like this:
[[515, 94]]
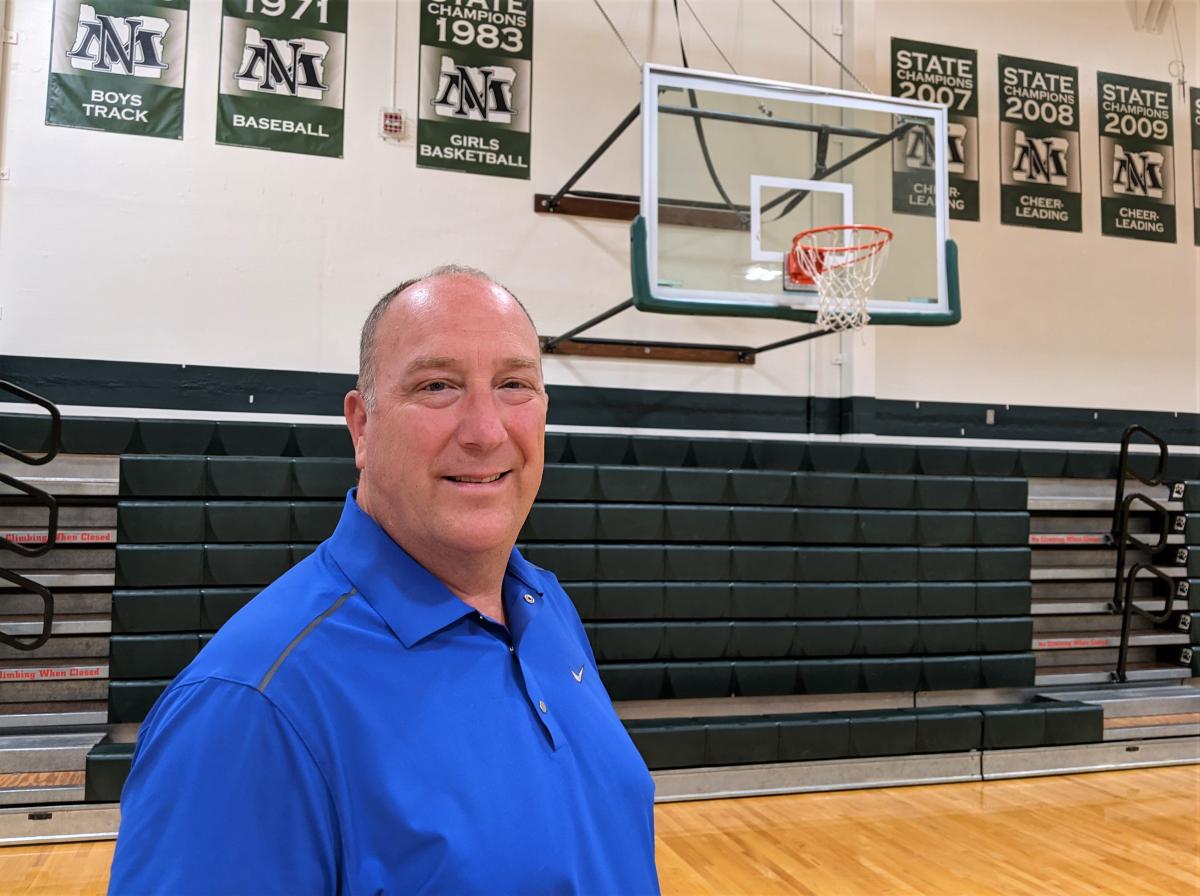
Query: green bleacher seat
[[583, 596], [1009, 726], [827, 457], [848, 564], [1005, 634], [824, 490], [696, 563], [158, 610], [217, 605], [835, 676], [622, 642], [945, 599], [885, 527], [628, 600], [893, 674], [696, 641], [774, 455], [948, 729], [322, 477], [249, 477], [634, 681], [765, 678], [944, 492], [763, 525], [762, 640], [1001, 529], [995, 564], [162, 477], [1092, 465], [622, 522], [659, 452], [567, 483], [570, 562], [892, 599], [763, 564], [1037, 463], [945, 527], [245, 564], [695, 486], [810, 737], [723, 454], [765, 600], [944, 565], [668, 743], [825, 526], [766, 487], [828, 601], [992, 461], [563, 522], [97, 435], [129, 701], [175, 436], [696, 600], [159, 566], [890, 460], [938, 461], [599, 449], [1000, 494], [314, 521], [741, 741], [301, 551], [948, 673], [886, 492], [882, 733], [26, 432], [322, 441], [1072, 723], [939, 636], [688, 681], [1003, 598], [614, 483], [254, 439], [1181, 467], [696, 523], [150, 656], [160, 522], [888, 637], [247, 521], [1008, 670], [107, 767], [639, 563], [825, 637]]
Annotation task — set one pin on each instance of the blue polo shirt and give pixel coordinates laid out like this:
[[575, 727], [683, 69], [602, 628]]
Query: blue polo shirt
[[357, 729]]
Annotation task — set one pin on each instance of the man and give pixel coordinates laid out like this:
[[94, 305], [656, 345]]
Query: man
[[414, 708]]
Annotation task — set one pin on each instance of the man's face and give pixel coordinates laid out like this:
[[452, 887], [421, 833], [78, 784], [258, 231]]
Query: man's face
[[451, 454]]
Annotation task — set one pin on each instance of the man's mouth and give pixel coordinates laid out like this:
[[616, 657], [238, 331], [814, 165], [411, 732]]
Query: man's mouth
[[478, 480]]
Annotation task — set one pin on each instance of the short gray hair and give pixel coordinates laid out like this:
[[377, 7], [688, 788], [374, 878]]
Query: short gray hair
[[367, 349]]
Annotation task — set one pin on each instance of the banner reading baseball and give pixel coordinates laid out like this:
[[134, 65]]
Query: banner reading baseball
[[1194, 109], [947, 75], [283, 75], [476, 86], [118, 65], [1040, 183], [1137, 158]]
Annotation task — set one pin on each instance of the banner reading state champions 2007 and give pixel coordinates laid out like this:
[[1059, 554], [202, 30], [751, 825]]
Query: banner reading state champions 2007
[[1040, 183], [475, 86], [118, 65], [947, 75], [283, 74], [1137, 158]]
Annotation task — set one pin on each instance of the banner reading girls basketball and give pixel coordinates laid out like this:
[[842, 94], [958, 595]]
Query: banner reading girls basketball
[[937, 74], [1040, 181], [1194, 115], [1137, 158], [118, 65]]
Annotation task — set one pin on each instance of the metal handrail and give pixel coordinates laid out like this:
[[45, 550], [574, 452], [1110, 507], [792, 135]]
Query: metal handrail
[[55, 426], [47, 611], [51, 504]]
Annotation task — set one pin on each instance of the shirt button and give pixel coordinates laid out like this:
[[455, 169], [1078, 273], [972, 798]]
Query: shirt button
[[511, 649], [542, 705], [528, 598]]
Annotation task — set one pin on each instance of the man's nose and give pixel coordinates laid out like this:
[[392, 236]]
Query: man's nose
[[481, 426]]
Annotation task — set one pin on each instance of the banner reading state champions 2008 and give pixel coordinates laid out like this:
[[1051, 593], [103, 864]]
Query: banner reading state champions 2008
[[1137, 158], [475, 86], [283, 73], [1040, 182], [118, 65]]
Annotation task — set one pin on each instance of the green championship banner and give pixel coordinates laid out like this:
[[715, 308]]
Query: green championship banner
[[475, 89], [947, 75], [1194, 115], [118, 65], [1040, 181], [1137, 164], [283, 74]]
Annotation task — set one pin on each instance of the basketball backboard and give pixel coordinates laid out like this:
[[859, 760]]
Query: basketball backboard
[[733, 168]]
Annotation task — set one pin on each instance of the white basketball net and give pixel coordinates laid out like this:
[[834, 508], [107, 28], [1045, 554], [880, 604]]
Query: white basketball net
[[844, 263]]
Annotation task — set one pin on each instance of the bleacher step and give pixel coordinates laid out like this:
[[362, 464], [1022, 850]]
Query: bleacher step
[[1069, 675], [1138, 727], [25, 753]]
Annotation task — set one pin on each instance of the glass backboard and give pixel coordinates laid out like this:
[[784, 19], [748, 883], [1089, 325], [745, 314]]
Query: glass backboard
[[734, 168]]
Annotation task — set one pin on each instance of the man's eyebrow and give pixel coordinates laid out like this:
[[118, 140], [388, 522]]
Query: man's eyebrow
[[433, 362]]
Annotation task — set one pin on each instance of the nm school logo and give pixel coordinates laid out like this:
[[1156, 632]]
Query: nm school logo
[[919, 151], [1137, 173], [122, 45], [283, 66], [1040, 160], [476, 94]]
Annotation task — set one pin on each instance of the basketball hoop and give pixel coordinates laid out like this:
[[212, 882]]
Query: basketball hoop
[[843, 262]]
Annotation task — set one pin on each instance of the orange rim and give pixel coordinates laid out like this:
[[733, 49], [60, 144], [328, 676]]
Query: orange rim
[[857, 253]]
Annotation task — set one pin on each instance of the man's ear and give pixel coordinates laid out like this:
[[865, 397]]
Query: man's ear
[[355, 409]]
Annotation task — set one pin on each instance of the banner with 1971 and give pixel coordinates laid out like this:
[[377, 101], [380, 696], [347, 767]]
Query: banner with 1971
[[283, 73], [476, 86]]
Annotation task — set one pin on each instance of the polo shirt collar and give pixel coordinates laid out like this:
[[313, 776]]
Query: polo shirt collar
[[412, 601]]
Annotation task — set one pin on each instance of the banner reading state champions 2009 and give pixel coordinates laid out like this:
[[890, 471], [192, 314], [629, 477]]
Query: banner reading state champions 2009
[[475, 86], [1137, 158], [118, 65], [283, 73]]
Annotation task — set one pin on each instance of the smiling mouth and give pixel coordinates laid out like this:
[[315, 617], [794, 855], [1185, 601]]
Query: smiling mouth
[[477, 480]]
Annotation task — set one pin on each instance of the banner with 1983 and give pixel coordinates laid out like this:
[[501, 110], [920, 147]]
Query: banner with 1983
[[283, 73], [475, 86], [118, 65]]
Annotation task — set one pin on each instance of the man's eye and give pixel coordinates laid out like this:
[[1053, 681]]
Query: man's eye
[[435, 386], [514, 384]]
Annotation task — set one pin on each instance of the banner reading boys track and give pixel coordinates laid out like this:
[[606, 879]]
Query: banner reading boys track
[[283, 74], [1194, 115], [1137, 158], [937, 74], [476, 86], [1040, 181], [119, 65]]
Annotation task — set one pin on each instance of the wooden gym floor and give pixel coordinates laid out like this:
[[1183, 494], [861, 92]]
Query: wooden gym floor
[[1126, 832]]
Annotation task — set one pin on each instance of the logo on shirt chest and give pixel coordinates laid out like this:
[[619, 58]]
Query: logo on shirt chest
[[578, 676]]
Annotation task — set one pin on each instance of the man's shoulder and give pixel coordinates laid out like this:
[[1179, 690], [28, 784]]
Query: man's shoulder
[[251, 646]]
